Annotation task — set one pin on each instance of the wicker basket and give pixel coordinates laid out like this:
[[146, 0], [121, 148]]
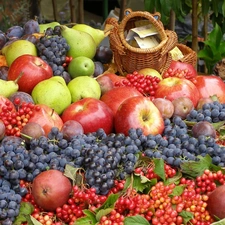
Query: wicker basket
[[128, 58], [190, 56]]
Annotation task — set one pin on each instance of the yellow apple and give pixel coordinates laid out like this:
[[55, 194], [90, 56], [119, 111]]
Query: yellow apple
[[151, 72]]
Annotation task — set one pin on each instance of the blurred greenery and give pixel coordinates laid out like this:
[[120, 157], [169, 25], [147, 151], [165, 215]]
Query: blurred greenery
[[13, 13]]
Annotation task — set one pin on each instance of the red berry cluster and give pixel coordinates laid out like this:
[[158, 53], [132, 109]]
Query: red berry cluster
[[67, 61], [15, 119], [150, 174], [180, 74], [146, 85], [208, 181], [82, 198]]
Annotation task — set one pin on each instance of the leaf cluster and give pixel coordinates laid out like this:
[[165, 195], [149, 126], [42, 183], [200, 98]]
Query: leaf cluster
[[214, 48]]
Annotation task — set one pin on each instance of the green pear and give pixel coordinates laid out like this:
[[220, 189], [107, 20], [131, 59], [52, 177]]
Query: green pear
[[8, 88], [97, 34], [81, 66], [18, 48], [52, 92], [43, 27], [81, 43], [83, 87]]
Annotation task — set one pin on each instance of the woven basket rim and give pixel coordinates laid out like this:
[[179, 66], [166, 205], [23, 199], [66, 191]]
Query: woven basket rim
[[129, 14]]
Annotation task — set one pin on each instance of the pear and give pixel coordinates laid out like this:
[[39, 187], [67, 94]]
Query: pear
[[7, 88], [84, 87], [18, 48], [97, 34], [81, 43], [52, 92], [43, 27]]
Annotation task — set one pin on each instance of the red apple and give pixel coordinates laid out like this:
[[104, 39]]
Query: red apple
[[46, 117], [210, 85], [116, 96], [33, 70], [174, 87], [138, 112], [51, 189], [91, 113]]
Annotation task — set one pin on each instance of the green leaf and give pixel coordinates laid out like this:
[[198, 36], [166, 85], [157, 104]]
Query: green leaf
[[109, 203], [149, 5], [187, 216], [74, 174], [196, 168], [223, 8], [135, 220], [138, 182], [220, 222], [103, 212], [174, 179], [178, 190], [26, 209], [215, 9], [159, 168], [214, 38], [84, 221], [34, 221], [205, 7]]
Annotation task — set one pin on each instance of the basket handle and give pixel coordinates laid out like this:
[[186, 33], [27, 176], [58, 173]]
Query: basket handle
[[114, 37], [171, 42]]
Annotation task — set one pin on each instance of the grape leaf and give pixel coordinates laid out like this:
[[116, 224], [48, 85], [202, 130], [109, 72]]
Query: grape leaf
[[26, 209], [159, 168], [220, 222], [84, 221], [74, 174], [138, 182], [196, 168], [34, 221], [109, 203], [187, 216], [135, 220], [175, 179], [178, 190], [103, 212]]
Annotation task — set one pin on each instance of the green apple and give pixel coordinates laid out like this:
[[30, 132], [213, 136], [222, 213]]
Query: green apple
[[18, 48], [52, 92], [81, 66], [83, 87]]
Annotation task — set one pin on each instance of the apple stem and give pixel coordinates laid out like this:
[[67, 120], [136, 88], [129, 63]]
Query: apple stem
[[26, 136], [17, 79], [52, 112]]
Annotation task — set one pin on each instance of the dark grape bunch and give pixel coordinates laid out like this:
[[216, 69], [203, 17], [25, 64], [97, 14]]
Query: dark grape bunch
[[175, 145], [9, 203], [212, 112], [52, 48]]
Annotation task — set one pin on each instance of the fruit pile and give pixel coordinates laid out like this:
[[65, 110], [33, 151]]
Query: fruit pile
[[82, 144]]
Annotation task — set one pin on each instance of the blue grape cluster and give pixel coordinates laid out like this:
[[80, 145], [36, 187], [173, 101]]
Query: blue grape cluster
[[176, 145], [52, 48], [9, 203], [212, 112]]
